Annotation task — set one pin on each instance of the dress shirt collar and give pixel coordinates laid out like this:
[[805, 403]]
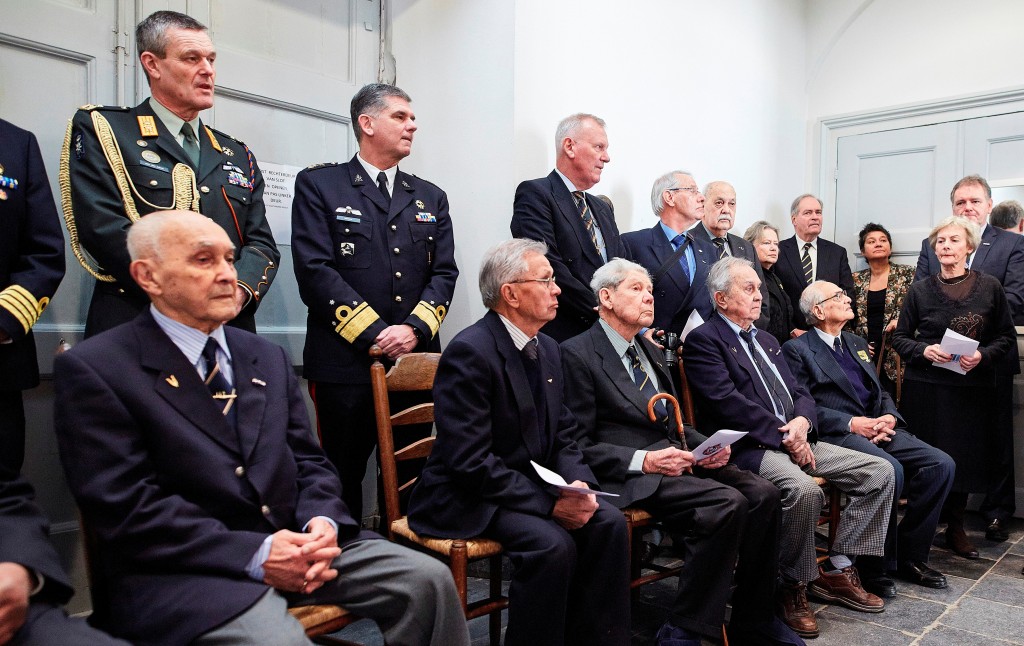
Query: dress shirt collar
[[735, 328], [373, 171], [172, 121], [568, 184], [800, 242], [829, 340], [519, 338], [619, 344], [670, 233], [188, 339]]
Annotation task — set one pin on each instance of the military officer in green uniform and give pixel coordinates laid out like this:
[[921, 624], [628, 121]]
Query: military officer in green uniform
[[374, 258], [119, 164], [31, 268]]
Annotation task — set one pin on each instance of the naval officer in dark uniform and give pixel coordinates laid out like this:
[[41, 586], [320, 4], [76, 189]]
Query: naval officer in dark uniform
[[375, 263], [31, 268], [121, 163]]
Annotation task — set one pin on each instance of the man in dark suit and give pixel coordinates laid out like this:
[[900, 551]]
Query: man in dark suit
[[741, 382], [498, 406], [805, 257], [1000, 254], [123, 163], [856, 412], [715, 512], [33, 585], [719, 217], [211, 504], [578, 228], [374, 255], [678, 270], [31, 268]]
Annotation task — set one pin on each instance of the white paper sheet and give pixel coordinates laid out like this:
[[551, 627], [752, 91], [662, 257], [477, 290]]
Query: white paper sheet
[[550, 477], [956, 345], [692, 322], [716, 443]]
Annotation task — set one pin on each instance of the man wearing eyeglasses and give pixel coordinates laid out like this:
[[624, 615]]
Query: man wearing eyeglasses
[[806, 257], [498, 406], [854, 411]]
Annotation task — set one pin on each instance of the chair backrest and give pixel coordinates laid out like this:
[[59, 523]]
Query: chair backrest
[[411, 373]]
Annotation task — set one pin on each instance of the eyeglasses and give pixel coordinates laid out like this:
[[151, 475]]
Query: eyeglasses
[[548, 282], [838, 296], [690, 189]]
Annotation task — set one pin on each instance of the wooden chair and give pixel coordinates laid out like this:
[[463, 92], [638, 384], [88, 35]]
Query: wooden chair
[[320, 620], [415, 373]]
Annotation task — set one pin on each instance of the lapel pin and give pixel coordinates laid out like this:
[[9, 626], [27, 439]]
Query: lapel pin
[[258, 382], [358, 179], [173, 381], [151, 156], [733, 348], [551, 381]]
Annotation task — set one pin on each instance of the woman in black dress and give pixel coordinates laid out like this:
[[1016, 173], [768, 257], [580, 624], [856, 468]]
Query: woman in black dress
[[952, 411], [765, 239]]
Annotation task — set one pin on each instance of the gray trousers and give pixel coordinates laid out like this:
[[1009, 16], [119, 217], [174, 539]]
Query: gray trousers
[[865, 479], [410, 595]]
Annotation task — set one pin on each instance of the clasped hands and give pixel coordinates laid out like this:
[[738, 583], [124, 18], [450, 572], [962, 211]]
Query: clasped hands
[[876, 429], [301, 562], [672, 461]]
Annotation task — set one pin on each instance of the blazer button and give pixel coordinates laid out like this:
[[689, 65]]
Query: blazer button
[[398, 274], [204, 189], [265, 511], [394, 227], [397, 251], [239, 471], [398, 299]]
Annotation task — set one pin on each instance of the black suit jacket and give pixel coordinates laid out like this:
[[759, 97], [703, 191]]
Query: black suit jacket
[[728, 392], [1000, 254], [740, 248], [611, 414], [487, 433], [31, 253], [674, 296], [833, 266], [815, 366], [178, 500], [24, 539], [544, 210]]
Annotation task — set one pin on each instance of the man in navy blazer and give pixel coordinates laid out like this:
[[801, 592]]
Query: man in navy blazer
[[827, 260], [856, 412], [1000, 254], [578, 228], [498, 406], [211, 505], [716, 512], [678, 286], [736, 389]]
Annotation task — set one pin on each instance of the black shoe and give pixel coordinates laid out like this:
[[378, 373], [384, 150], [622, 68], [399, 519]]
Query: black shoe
[[880, 585], [919, 573], [996, 531]]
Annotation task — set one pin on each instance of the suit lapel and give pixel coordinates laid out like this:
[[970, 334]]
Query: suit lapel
[[826, 360], [367, 186], [868, 367], [210, 158], [250, 386], [791, 256], [520, 386], [735, 346], [401, 194], [615, 370], [987, 241], [662, 250], [571, 214]]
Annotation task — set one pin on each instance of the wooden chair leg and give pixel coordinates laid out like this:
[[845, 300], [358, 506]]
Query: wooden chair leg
[[494, 618], [458, 565]]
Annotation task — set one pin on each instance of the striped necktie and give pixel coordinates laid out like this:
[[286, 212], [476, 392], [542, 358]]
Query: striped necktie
[[805, 262], [720, 245], [587, 217], [644, 383]]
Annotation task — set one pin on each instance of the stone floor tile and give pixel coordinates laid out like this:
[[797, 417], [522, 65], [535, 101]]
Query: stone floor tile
[[946, 636], [987, 618], [902, 613], [1002, 589], [841, 630]]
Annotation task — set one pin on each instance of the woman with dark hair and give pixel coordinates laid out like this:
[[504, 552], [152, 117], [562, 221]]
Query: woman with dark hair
[[781, 323], [878, 296]]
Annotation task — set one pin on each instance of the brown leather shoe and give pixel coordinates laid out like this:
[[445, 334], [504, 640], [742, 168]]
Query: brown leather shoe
[[791, 602], [844, 587], [956, 540]]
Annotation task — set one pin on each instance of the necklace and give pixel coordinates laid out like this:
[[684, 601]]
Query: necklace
[[955, 281]]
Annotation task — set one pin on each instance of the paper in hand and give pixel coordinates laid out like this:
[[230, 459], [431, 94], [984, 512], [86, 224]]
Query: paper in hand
[[692, 322], [716, 443], [957, 345], [550, 477]]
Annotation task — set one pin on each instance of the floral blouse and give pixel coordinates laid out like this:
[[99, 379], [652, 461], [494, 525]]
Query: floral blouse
[[900, 278]]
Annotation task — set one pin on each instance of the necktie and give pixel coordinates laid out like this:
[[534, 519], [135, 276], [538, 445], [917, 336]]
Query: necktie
[[532, 365], [682, 240], [805, 261], [837, 346], [382, 184], [220, 388], [780, 396], [720, 245], [190, 143], [644, 383], [587, 217]]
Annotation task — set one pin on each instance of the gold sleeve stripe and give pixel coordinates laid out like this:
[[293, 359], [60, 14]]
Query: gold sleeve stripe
[[354, 321], [22, 304], [430, 316]]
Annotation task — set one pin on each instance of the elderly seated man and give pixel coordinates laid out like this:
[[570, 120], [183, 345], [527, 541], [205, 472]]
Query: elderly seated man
[[714, 511], [741, 382], [856, 412]]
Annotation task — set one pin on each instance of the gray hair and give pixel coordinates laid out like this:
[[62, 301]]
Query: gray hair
[[795, 206], [811, 296], [1006, 215], [151, 33], [756, 231], [504, 263], [570, 127], [611, 274], [720, 276], [662, 184], [371, 100], [967, 181], [715, 184], [970, 229]]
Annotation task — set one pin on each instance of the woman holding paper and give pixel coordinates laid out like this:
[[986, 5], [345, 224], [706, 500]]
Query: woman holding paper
[[781, 323], [947, 398]]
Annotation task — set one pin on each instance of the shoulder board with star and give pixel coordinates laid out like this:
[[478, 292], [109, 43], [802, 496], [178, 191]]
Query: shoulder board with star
[[425, 181], [89, 107], [323, 165]]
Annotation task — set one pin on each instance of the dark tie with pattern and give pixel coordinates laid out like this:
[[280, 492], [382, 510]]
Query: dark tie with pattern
[[720, 245], [837, 346], [778, 393], [805, 261], [190, 143], [382, 184], [682, 240], [587, 217], [531, 363], [644, 383], [220, 388]]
